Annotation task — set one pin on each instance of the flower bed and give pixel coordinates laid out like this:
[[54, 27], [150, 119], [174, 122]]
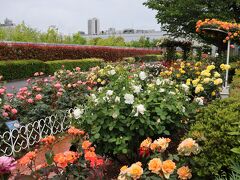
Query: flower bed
[[9, 51]]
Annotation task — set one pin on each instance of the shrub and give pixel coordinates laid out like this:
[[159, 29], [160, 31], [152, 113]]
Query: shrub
[[20, 69], [235, 85], [149, 58], [131, 106], [84, 64], [211, 129], [48, 52]]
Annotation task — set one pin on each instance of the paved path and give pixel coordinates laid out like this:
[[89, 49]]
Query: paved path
[[16, 84], [61, 146]]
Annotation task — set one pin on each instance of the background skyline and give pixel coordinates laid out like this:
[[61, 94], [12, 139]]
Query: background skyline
[[72, 15]]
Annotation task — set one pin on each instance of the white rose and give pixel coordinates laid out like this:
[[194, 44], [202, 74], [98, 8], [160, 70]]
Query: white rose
[[172, 93], [199, 100], [142, 75], [114, 115], [129, 98], [158, 82], [112, 72], [109, 93], [137, 89], [185, 87], [77, 113], [117, 99], [161, 90], [140, 109]]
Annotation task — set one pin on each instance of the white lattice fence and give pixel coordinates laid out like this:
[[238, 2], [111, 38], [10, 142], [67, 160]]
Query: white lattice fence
[[16, 140]]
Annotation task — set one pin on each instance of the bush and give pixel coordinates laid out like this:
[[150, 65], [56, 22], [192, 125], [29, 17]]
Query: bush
[[235, 85], [211, 129], [48, 52], [84, 64], [21, 69], [149, 58], [131, 106]]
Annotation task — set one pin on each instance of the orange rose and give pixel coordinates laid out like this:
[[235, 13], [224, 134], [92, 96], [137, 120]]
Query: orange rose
[[155, 165], [168, 167], [30, 156], [146, 143], [184, 173], [48, 140], [74, 131], [86, 144]]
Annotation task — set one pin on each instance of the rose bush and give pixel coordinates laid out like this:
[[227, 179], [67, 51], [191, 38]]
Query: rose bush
[[131, 105]]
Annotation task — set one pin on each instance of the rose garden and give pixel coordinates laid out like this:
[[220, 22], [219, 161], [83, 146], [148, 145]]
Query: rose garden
[[130, 113]]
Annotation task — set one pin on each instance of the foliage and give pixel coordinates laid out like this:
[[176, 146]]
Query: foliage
[[24, 33], [149, 58], [211, 129], [84, 64], [48, 52], [21, 69], [130, 106], [110, 41], [12, 70], [171, 46], [178, 21]]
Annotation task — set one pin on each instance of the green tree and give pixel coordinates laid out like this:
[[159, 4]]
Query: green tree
[[78, 39], [179, 17]]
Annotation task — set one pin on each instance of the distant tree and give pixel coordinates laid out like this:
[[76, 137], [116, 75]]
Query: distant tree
[[78, 39], [179, 17]]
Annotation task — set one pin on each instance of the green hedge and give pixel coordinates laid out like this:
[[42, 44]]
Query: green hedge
[[84, 64], [149, 58], [211, 130], [20, 69]]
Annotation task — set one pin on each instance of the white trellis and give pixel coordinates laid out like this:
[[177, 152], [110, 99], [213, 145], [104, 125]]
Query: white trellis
[[16, 140]]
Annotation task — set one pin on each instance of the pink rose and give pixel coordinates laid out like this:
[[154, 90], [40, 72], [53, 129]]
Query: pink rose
[[30, 100], [59, 94], [78, 68], [36, 74], [74, 85], [41, 73], [4, 114], [7, 107], [89, 88], [2, 90], [14, 111], [57, 85], [45, 80], [38, 97]]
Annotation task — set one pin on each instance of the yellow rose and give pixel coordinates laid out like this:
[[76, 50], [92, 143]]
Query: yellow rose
[[195, 82], [199, 89], [205, 73], [188, 82], [216, 75], [178, 75], [211, 67], [206, 80], [218, 81], [99, 80], [225, 67], [213, 93]]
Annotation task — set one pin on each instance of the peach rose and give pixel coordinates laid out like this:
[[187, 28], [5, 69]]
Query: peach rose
[[155, 165], [184, 173], [168, 167]]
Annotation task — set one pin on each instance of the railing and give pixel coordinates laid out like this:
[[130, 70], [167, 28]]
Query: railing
[[26, 136]]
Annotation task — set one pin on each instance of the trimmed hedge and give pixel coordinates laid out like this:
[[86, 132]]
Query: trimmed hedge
[[149, 58], [20, 69], [84, 64], [46, 52]]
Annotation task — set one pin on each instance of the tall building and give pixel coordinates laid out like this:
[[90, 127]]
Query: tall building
[[7, 23], [93, 26]]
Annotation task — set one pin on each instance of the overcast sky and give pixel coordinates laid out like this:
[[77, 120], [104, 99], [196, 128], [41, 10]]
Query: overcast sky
[[72, 15]]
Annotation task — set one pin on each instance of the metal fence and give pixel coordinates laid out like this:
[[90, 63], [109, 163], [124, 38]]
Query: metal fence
[[26, 136]]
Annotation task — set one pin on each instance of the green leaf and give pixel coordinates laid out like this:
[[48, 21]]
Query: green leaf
[[49, 157]]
